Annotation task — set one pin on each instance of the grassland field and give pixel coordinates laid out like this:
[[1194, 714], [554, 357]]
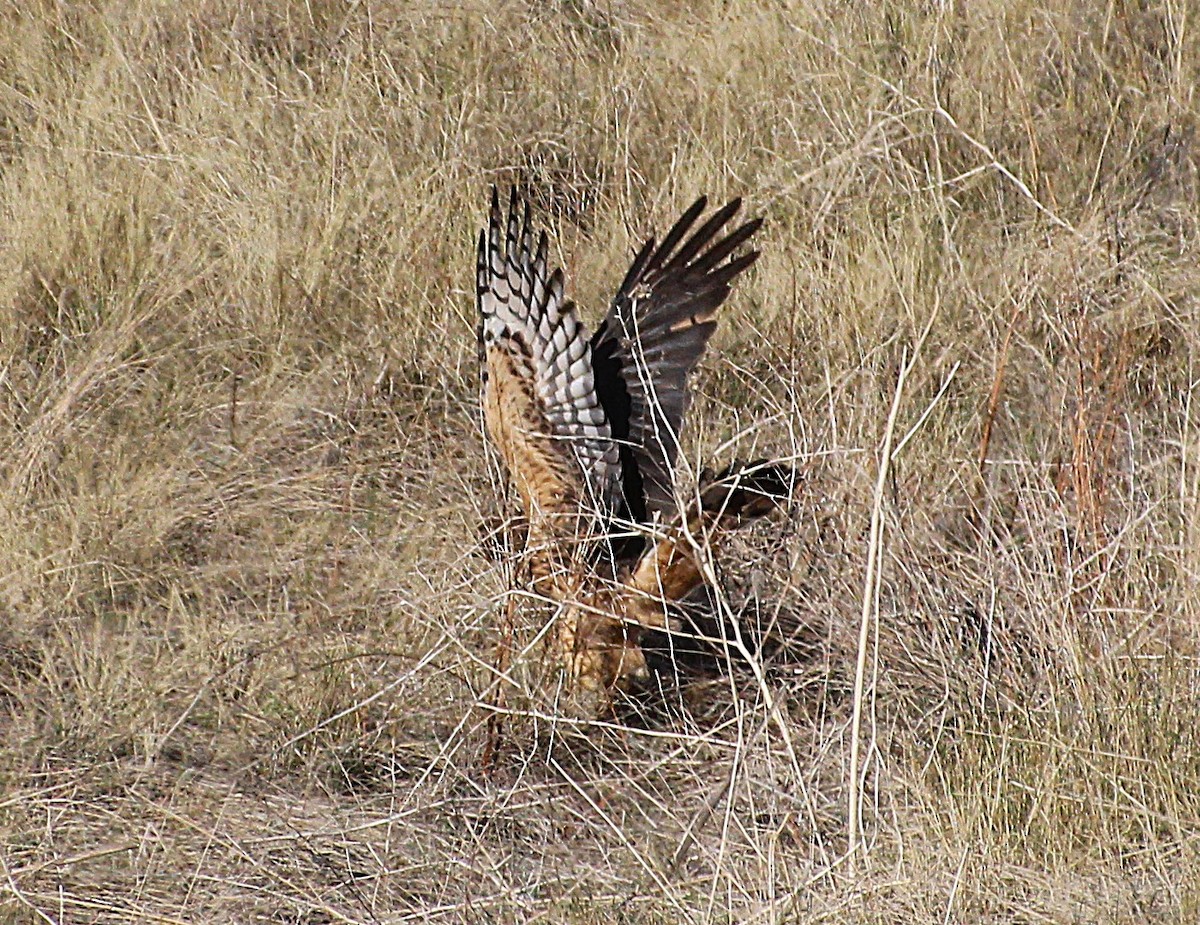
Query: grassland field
[[247, 611]]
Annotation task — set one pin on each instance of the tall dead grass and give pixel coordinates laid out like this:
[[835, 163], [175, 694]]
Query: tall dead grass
[[245, 625]]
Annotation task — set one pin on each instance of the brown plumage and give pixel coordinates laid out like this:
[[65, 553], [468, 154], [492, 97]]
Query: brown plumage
[[587, 431]]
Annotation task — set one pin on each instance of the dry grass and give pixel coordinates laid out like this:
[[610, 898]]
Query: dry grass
[[245, 632]]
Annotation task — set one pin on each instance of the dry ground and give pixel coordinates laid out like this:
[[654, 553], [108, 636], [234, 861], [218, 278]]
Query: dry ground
[[245, 625]]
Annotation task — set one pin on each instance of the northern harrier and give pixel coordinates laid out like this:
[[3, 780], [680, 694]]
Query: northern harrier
[[587, 430]]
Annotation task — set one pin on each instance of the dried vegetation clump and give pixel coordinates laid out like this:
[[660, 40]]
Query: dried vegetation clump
[[247, 614]]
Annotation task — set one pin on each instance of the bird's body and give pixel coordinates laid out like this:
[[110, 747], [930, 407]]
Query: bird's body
[[587, 431]]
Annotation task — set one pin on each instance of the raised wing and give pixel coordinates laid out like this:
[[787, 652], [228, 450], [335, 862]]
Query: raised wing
[[654, 334], [540, 402]]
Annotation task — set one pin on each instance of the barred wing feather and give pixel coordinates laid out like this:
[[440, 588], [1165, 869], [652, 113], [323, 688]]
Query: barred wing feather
[[523, 313]]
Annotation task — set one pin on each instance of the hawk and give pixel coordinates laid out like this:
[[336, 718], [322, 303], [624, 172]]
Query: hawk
[[587, 430]]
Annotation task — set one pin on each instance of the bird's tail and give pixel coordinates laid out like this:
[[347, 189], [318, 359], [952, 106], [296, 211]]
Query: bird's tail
[[671, 567]]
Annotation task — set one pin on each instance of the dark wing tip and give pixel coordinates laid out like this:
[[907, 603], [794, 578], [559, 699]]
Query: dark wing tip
[[677, 232], [481, 261], [694, 246], [752, 226], [698, 206], [729, 210]]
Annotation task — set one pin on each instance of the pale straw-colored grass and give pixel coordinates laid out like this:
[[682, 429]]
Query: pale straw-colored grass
[[247, 625]]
